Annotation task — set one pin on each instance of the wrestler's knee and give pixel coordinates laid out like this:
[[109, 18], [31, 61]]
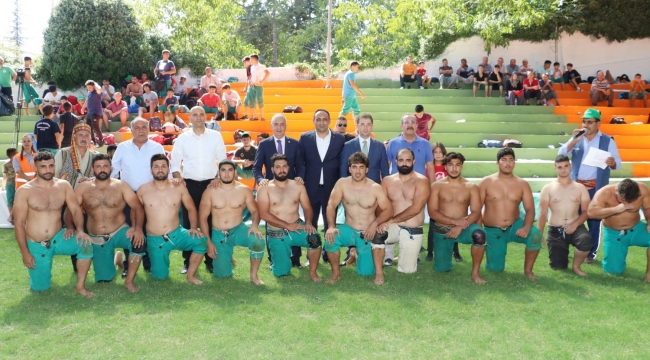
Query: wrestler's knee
[[478, 237], [379, 241], [314, 241], [257, 245], [534, 240]]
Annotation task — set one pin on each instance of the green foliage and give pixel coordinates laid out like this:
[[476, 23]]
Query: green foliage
[[199, 33], [92, 39]]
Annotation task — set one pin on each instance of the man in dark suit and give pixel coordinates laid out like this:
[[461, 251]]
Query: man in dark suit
[[373, 149], [321, 152], [279, 144]]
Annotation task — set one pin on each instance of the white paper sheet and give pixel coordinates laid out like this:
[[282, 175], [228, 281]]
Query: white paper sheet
[[596, 157]]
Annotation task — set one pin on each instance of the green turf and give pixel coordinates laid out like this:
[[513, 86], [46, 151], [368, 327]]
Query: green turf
[[416, 316]]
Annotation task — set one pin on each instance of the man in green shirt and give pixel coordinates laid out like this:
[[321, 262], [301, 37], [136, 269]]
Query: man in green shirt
[[7, 75]]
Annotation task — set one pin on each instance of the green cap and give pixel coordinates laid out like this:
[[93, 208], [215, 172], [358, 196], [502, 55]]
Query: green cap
[[592, 114], [80, 97], [128, 78], [245, 134]]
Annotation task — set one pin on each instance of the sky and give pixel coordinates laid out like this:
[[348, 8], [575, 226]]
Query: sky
[[34, 14]]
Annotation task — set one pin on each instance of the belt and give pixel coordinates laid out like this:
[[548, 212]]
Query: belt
[[589, 184], [103, 239], [414, 231], [279, 233], [45, 243], [504, 229], [200, 181], [442, 229]]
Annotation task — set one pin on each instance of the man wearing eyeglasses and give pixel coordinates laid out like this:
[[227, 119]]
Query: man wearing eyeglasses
[[592, 177], [342, 128], [423, 163]]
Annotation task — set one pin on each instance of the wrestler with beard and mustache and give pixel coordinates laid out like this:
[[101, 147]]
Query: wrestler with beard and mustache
[[448, 203], [40, 236], [162, 201], [278, 205], [226, 204], [408, 192], [104, 200]]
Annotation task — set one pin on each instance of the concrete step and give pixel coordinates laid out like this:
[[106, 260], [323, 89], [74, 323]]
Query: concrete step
[[306, 99]]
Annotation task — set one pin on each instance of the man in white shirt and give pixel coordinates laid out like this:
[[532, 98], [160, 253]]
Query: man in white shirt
[[259, 75], [53, 97], [194, 163], [131, 164], [107, 92], [181, 86], [208, 79]]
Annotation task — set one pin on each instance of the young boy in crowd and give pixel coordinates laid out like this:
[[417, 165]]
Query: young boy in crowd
[[426, 81], [231, 102], [9, 181], [558, 76]]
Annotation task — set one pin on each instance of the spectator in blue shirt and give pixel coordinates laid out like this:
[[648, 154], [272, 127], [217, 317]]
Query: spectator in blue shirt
[[46, 132]]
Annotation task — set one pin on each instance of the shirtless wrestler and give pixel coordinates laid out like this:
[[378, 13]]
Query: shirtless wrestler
[[501, 194], [278, 203], [360, 197], [39, 233], [226, 204], [618, 206], [566, 226], [448, 203], [408, 192], [162, 202], [104, 200]]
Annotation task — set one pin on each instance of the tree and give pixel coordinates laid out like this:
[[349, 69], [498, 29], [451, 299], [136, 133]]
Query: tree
[[92, 39], [203, 31]]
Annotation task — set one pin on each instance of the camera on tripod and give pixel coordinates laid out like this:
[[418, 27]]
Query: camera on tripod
[[20, 73]]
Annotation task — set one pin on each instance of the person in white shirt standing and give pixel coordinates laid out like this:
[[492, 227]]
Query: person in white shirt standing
[[194, 163], [131, 164], [259, 75]]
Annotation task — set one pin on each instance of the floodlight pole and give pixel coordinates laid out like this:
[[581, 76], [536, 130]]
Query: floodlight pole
[[329, 44]]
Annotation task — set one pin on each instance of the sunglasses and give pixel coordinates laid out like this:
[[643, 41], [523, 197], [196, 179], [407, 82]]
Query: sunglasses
[[342, 125]]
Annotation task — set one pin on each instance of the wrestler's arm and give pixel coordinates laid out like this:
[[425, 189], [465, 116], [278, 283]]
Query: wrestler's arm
[[72, 202], [205, 209], [263, 205], [482, 190], [598, 210], [20, 210], [134, 203], [189, 205], [335, 199], [529, 205], [251, 205], [420, 197], [306, 204], [645, 204], [543, 209], [384, 204], [67, 215], [475, 205]]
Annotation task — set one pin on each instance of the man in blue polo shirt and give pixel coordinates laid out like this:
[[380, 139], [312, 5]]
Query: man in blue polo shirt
[[592, 177], [46, 132], [423, 163]]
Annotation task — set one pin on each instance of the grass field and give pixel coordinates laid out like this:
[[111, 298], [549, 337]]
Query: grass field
[[425, 315]]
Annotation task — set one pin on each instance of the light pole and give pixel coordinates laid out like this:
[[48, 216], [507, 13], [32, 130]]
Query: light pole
[[329, 44]]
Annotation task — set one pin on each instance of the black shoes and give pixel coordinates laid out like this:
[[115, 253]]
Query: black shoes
[[457, 257], [429, 257]]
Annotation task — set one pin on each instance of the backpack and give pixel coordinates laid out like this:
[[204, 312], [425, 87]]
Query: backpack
[[109, 139], [6, 105], [194, 93], [624, 95], [618, 120], [155, 124], [512, 143], [490, 144], [182, 100], [180, 123], [292, 109], [190, 103]]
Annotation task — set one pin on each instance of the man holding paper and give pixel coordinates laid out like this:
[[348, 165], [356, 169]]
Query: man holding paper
[[592, 169]]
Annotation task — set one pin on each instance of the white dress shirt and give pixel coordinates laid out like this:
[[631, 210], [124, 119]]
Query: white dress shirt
[[323, 144], [198, 154], [257, 73], [133, 164]]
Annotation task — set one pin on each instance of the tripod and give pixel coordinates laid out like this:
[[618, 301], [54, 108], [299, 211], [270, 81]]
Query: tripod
[[19, 111]]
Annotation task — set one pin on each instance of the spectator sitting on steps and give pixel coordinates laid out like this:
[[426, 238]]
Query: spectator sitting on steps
[[408, 73], [447, 76], [465, 73], [601, 91], [546, 86], [638, 90], [572, 77], [426, 80]]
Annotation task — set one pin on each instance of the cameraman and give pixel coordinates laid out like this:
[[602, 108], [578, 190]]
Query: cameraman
[[29, 93], [7, 75]]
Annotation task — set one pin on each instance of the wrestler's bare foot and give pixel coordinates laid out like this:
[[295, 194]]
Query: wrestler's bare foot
[[194, 280], [131, 287], [477, 279], [333, 279], [315, 278], [578, 270], [379, 279], [83, 292], [530, 275], [233, 262], [255, 280]]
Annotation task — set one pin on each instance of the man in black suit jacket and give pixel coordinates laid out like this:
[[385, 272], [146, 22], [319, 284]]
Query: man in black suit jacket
[[321, 152], [279, 144], [373, 149]]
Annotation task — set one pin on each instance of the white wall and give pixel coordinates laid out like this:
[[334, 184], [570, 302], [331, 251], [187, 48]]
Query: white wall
[[587, 54]]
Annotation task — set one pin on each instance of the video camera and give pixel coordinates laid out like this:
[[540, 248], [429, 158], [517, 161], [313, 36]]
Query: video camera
[[20, 72]]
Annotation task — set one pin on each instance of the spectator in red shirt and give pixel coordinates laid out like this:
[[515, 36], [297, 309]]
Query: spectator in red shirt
[[423, 119], [531, 88], [426, 81], [116, 110], [211, 102]]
